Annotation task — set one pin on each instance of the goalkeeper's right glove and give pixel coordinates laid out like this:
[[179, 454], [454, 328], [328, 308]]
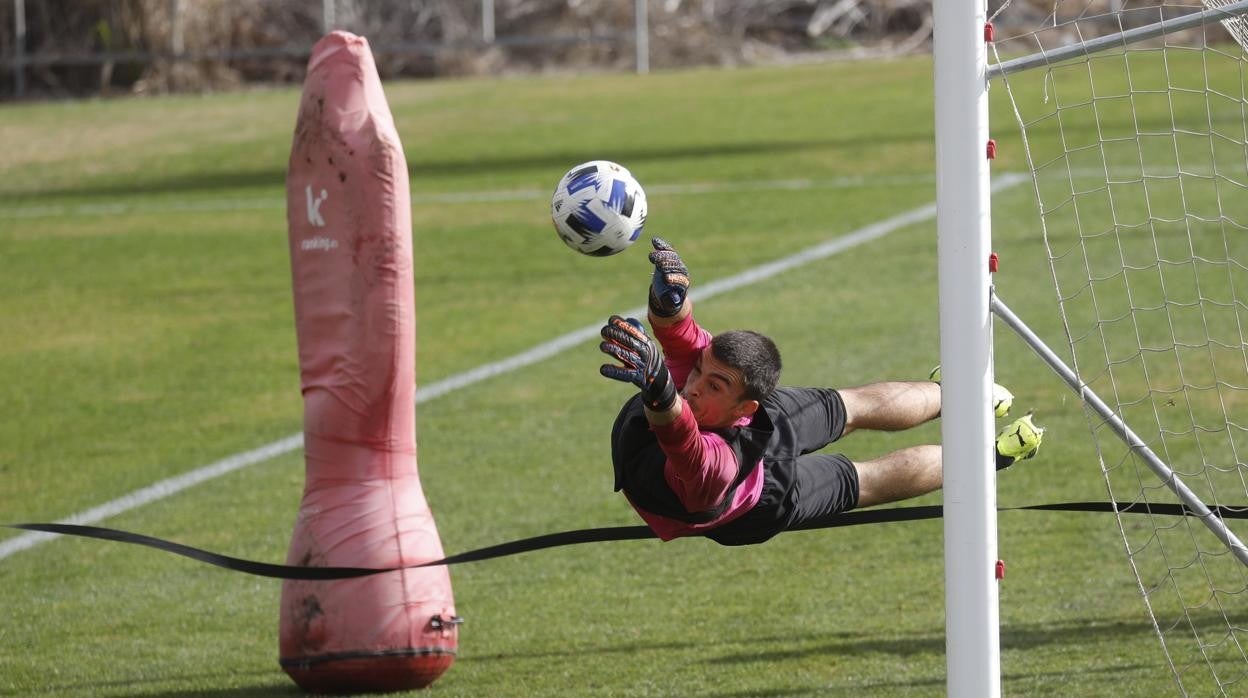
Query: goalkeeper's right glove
[[670, 284], [642, 362]]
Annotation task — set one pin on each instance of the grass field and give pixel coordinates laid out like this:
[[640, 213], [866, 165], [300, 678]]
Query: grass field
[[147, 330]]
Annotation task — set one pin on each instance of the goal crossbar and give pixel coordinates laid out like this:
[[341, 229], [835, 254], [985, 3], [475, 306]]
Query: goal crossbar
[[1120, 428], [1130, 36]]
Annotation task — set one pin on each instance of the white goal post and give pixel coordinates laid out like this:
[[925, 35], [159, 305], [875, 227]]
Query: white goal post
[[964, 243]]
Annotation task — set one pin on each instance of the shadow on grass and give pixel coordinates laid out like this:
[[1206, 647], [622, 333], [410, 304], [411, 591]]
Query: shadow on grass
[[830, 639], [771, 693], [263, 684], [939, 682], [851, 644], [1013, 637], [260, 691], [554, 162], [930, 684]]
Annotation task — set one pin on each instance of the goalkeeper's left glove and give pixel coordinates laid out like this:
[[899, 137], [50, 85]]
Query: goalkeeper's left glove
[[670, 284], [642, 362], [1002, 399]]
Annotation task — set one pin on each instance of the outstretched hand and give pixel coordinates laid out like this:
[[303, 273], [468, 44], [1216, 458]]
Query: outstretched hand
[[670, 285], [641, 362]]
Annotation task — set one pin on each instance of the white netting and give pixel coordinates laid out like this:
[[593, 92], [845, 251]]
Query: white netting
[[1237, 26], [1140, 161]]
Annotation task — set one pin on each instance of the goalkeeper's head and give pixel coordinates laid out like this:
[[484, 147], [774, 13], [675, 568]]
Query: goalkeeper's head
[[733, 376]]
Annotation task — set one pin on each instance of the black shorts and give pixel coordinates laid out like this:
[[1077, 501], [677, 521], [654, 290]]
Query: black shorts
[[799, 486]]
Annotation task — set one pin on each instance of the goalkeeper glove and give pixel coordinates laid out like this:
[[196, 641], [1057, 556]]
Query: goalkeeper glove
[[642, 362], [1002, 399], [670, 284]]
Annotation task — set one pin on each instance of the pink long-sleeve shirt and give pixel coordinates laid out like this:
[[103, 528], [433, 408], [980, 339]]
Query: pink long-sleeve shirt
[[700, 465]]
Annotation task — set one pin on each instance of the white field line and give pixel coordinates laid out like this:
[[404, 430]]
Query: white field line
[[702, 292], [467, 197], [513, 195]]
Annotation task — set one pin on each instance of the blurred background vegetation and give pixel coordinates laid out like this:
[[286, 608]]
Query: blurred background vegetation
[[67, 48]]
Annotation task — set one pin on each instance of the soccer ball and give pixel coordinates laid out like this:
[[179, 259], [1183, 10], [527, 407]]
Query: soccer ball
[[598, 208]]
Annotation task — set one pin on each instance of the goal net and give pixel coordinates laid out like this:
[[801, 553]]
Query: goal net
[[1135, 120]]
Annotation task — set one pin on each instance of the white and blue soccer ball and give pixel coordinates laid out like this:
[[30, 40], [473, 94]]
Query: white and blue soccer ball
[[598, 208]]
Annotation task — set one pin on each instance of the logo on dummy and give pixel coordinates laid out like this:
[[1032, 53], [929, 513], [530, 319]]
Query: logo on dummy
[[314, 206], [319, 243], [314, 219]]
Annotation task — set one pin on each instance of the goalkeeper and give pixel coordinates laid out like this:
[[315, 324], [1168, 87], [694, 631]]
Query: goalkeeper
[[711, 445]]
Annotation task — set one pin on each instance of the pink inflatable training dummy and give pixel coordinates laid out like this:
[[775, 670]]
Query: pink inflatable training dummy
[[349, 218]]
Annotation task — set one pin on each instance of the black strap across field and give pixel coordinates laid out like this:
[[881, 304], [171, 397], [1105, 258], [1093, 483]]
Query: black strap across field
[[585, 535]]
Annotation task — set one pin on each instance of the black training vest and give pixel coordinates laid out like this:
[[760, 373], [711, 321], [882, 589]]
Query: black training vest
[[639, 461]]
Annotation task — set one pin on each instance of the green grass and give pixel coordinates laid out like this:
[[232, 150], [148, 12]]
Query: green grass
[[147, 330]]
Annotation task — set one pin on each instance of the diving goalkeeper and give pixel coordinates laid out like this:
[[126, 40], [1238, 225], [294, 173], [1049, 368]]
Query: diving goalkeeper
[[712, 445]]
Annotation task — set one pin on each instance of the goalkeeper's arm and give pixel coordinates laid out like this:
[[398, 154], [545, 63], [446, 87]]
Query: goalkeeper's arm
[[669, 286], [685, 311], [641, 363]]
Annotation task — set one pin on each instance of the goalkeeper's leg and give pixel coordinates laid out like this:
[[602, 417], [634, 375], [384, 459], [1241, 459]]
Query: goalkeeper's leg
[[1002, 399], [918, 470], [903, 474], [890, 406], [829, 484]]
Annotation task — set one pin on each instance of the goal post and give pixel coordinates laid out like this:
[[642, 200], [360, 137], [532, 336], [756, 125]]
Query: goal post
[[963, 230]]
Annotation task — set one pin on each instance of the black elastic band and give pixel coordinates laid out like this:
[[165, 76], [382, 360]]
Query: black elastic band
[[261, 569], [1224, 511], [264, 569], [584, 535]]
